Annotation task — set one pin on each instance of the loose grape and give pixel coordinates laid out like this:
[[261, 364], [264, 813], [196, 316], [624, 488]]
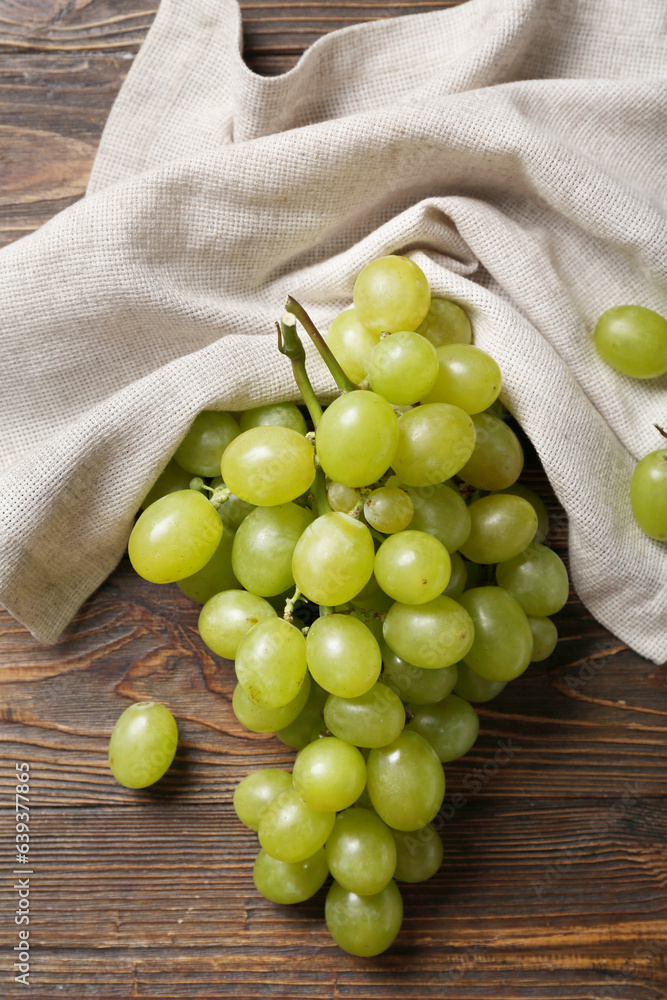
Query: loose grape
[[289, 882], [253, 794], [451, 726], [364, 925], [217, 575], [403, 368], [268, 465], [264, 546], [171, 479], [431, 635], [545, 637], [329, 774], [445, 323], [497, 460], [271, 663], [442, 512], [174, 537], [648, 494], [467, 377], [405, 782], [519, 490], [343, 655], [289, 830], [268, 720], [412, 567], [633, 340], [418, 854], [472, 687], [415, 684], [202, 447], [351, 344], [342, 498], [434, 442], [274, 415], [388, 509], [142, 744], [299, 733], [391, 294], [537, 579], [333, 559], [458, 579], [356, 438], [371, 720], [501, 526], [361, 852], [503, 643], [226, 618]]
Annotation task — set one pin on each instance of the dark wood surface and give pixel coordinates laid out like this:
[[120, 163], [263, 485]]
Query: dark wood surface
[[554, 880]]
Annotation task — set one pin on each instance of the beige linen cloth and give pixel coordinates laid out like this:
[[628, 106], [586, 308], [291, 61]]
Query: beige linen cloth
[[516, 149]]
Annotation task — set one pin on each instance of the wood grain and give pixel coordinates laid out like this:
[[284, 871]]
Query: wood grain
[[554, 880]]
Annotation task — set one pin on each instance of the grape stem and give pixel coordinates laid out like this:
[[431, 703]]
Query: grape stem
[[290, 345], [288, 613], [344, 383], [660, 430], [318, 495]]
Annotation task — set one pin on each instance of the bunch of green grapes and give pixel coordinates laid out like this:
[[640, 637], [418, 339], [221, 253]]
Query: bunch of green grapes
[[370, 579]]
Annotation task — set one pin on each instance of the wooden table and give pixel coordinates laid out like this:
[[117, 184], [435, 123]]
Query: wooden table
[[554, 878]]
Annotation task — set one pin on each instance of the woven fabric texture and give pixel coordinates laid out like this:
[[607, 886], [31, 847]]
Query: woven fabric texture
[[516, 150]]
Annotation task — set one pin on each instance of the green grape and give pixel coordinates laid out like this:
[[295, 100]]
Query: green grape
[[458, 579], [445, 323], [300, 732], [253, 794], [648, 494], [403, 368], [361, 853], [497, 460], [364, 925], [434, 441], [268, 720], [226, 618], [442, 512], [371, 598], [356, 438], [342, 498], [478, 574], [289, 882], [501, 526], [217, 575], [234, 510], [264, 546], [388, 509], [269, 465], [467, 377], [519, 490], [274, 415], [174, 537], [503, 643], [171, 479], [537, 579], [142, 744], [202, 447], [412, 567], [371, 720], [545, 637], [633, 340], [289, 830], [451, 726], [391, 294], [414, 684], [333, 559], [472, 687], [431, 635], [351, 344], [271, 663], [405, 782], [343, 655], [329, 774], [418, 854]]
